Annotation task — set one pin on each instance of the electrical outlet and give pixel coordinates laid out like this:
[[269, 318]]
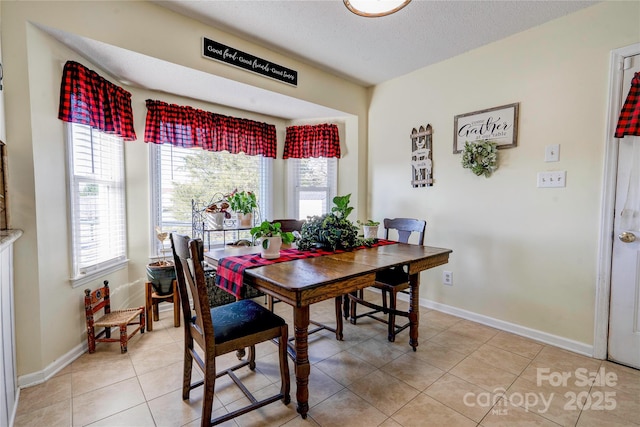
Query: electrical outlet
[[447, 278]]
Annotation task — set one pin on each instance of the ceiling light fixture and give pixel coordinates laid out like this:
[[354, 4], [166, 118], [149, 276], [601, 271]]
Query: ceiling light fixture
[[375, 8]]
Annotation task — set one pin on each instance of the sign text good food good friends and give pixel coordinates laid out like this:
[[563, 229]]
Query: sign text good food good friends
[[223, 53]]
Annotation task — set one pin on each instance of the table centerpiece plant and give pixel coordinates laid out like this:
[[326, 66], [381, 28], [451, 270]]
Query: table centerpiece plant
[[271, 238], [333, 230]]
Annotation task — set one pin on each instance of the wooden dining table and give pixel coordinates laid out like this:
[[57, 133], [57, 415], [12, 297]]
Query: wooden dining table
[[302, 282]]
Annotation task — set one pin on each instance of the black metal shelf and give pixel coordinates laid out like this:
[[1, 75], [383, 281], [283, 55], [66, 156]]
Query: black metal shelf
[[202, 229]]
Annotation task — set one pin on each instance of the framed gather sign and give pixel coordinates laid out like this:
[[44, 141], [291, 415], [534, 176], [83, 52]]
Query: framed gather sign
[[498, 124]]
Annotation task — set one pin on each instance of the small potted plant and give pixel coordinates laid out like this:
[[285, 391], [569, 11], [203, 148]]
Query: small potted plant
[[161, 273], [369, 228], [243, 203], [271, 238], [217, 212]]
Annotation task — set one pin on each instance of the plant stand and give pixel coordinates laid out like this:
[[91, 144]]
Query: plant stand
[[161, 274], [153, 299]]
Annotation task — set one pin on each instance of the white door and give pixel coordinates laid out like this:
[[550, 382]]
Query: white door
[[624, 320]]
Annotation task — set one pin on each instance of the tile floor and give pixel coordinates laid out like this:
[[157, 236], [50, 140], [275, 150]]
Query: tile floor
[[463, 374]]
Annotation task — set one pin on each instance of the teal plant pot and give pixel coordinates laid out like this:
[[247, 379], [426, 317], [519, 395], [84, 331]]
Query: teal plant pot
[[161, 276]]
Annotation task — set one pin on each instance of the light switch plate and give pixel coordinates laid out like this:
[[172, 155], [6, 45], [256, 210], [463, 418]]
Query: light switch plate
[[552, 179], [552, 153]]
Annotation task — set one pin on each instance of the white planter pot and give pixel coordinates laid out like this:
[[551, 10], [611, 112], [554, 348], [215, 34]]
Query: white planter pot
[[245, 220], [272, 250], [370, 231], [216, 220]]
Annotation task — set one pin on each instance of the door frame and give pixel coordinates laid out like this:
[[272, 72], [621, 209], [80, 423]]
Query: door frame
[[607, 214]]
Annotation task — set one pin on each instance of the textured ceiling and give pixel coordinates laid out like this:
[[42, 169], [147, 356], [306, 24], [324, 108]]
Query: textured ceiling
[[371, 50]]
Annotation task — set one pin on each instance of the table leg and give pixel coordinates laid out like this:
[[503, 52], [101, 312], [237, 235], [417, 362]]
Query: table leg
[[414, 311], [339, 325], [302, 368], [346, 302]]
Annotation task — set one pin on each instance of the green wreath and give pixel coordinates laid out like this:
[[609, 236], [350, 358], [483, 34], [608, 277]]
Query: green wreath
[[481, 157]]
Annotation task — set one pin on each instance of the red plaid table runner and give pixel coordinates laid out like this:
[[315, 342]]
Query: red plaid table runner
[[231, 269]]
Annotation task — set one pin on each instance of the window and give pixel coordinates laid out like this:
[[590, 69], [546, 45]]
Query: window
[[314, 183], [97, 202], [181, 175]]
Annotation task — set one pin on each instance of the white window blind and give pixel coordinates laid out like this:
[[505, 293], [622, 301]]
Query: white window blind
[[313, 185], [97, 199], [185, 174]]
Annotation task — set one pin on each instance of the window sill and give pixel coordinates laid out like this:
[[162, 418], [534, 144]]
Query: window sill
[[83, 279]]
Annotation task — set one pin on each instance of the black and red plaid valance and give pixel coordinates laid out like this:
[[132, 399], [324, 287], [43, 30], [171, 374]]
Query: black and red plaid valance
[[307, 141], [87, 98], [629, 121], [184, 126], [177, 125], [241, 135]]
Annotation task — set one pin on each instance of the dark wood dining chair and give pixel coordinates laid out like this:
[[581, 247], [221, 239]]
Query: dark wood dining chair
[[220, 330], [390, 281], [290, 225]]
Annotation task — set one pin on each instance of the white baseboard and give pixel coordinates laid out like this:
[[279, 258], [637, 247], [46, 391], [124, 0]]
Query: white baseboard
[[565, 343], [544, 337], [39, 377]]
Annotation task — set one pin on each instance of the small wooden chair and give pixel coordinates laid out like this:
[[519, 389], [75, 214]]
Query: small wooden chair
[[220, 330], [391, 281], [152, 299], [99, 299]]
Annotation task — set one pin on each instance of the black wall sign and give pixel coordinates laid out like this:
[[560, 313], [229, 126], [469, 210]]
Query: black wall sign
[[220, 52]]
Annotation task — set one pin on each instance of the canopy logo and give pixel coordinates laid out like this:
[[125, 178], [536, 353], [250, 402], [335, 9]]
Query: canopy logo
[[583, 393]]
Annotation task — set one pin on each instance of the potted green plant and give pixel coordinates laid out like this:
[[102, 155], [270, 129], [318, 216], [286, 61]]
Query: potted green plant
[[217, 212], [369, 228], [333, 230], [243, 203], [271, 238], [161, 273]]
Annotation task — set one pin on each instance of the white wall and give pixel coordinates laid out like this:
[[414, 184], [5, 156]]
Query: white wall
[[521, 255], [49, 313]]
